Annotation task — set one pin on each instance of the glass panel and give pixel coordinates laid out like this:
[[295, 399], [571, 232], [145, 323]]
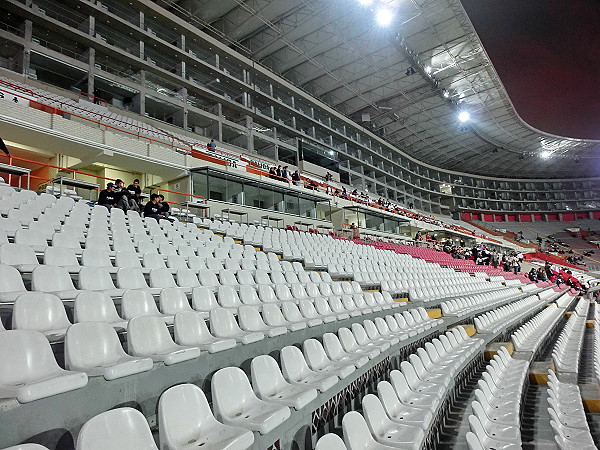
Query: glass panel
[[252, 196], [374, 222], [291, 204], [235, 192], [278, 201], [217, 188], [200, 183], [308, 207]]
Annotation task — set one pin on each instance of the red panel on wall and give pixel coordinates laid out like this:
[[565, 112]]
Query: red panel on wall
[[511, 217], [476, 216], [499, 217], [465, 216], [538, 217], [525, 217], [582, 215], [568, 216], [596, 214], [488, 218], [552, 216]]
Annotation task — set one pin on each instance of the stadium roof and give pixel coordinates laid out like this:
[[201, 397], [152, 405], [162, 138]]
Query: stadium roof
[[407, 81]]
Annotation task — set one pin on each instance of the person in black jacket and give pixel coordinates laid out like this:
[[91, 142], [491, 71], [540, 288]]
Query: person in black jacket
[[136, 191], [108, 197], [153, 208]]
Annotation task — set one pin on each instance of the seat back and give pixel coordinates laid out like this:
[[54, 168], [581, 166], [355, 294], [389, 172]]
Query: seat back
[[131, 278], [190, 329], [173, 300], [39, 311], [50, 279], [230, 391], [148, 335], [16, 254], [10, 280], [95, 307], [137, 302], [95, 279], [116, 429], [330, 442], [30, 357], [183, 414], [92, 344]]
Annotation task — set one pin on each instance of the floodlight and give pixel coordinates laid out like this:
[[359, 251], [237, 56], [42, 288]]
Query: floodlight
[[546, 154], [464, 116], [384, 17]]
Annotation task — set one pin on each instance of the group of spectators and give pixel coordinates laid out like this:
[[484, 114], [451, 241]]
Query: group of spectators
[[130, 199], [284, 174]]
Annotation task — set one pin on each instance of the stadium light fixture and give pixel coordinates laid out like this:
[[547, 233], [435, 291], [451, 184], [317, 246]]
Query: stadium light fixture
[[464, 116], [428, 70], [384, 17], [546, 154]]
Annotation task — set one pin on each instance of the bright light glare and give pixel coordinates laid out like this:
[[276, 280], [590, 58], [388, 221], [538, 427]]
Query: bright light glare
[[428, 70], [464, 116], [546, 154], [365, 2], [446, 94], [384, 17]]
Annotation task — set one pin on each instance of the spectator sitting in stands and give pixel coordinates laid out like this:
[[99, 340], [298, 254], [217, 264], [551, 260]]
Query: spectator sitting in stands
[[135, 190], [285, 174], [153, 208], [328, 177], [165, 209], [212, 145], [107, 197], [125, 198], [533, 275], [541, 275], [278, 172]]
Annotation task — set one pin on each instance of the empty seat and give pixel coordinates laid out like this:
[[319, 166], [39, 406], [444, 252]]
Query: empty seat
[[331, 442], [148, 336], [31, 238], [98, 279], [117, 429], [133, 278], [273, 316], [296, 371], [357, 435], [269, 384], [137, 302], [318, 361], [22, 257], [185, 421], [94, 348], [250, 320], [11, 283], [55, 280], [40, 312], [97, 307], [236, 404], [97, 258], [191, 330], [224, 325], [33, 372]]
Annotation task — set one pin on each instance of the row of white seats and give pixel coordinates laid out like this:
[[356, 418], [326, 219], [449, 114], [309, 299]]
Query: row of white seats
[[433, 293], [44, 312], [582, 307], [467, 305], [58, 280], [596, 354], [501, 318], [24, 259], [567, 415], [402, 412], [567, 349], [532, 334], [495, 422]]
